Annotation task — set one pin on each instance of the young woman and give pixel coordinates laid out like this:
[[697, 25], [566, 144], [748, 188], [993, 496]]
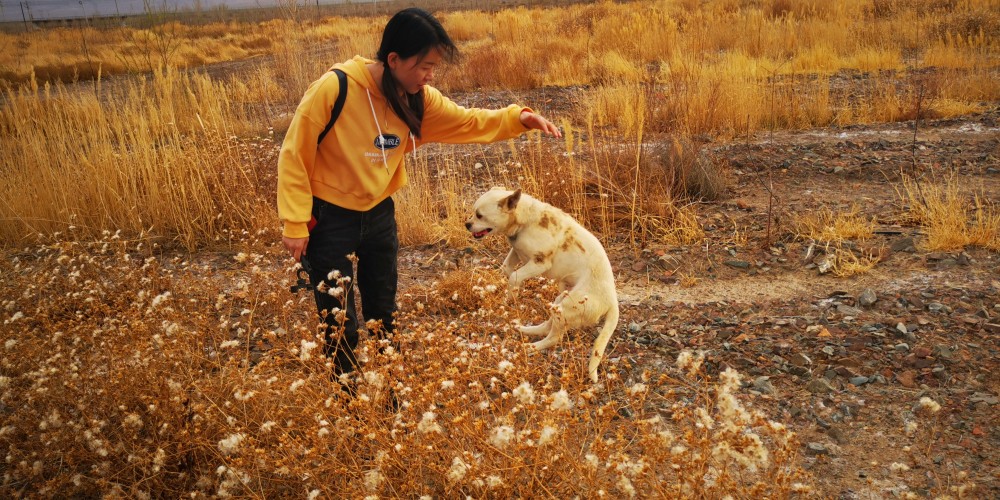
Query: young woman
[[335, 183]]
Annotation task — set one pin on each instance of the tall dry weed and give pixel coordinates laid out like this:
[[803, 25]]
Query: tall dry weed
[[161, 155]]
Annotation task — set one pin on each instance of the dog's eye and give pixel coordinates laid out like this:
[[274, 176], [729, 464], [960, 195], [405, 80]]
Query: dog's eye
[[479, 215]]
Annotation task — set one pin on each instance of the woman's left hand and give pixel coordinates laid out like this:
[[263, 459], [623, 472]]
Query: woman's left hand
[[537, 122]]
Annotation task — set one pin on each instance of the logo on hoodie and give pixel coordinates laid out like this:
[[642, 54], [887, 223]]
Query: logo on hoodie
[[387, 141]]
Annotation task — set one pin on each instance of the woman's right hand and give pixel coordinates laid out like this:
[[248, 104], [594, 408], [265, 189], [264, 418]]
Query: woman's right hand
[[295, 246]]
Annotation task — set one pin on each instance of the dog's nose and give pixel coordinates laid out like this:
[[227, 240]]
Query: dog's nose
[[468, 225]]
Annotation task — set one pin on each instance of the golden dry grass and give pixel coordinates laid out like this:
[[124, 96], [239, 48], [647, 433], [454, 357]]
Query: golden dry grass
[[952, 217], [828, 226], [678, 67], [160, 156]]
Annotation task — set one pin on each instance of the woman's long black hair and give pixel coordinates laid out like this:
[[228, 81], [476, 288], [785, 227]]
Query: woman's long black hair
[[411, 32]]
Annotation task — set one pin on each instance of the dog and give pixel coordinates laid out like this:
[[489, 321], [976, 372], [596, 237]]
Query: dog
[[545, 241]]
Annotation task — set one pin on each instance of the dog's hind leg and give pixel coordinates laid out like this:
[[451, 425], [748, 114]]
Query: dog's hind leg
[[542, 329], [610, 323], [557, 328], [539, 330]]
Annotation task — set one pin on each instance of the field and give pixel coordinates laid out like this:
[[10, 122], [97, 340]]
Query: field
[[798, 198]]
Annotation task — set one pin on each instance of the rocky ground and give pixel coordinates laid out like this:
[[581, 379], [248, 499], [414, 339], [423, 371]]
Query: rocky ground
[[844, 361]]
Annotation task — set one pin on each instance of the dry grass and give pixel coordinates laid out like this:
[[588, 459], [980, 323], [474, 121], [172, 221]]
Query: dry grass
[[127, 375], [953, 217], [836, 237], [676, 67], [715, 63], [827, 226], [161, 156]]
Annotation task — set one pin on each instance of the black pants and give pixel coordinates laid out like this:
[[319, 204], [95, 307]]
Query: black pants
[[372, 237]]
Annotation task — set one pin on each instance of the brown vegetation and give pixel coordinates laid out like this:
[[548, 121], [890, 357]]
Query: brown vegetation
[[129, 371]]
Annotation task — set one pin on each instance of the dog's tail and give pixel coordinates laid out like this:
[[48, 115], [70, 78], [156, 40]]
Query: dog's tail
[[610, 324]]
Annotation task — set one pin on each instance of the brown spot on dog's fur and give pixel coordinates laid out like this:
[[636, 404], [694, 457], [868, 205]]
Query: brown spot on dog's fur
[[549, 222], [542, 256], [570, 241]]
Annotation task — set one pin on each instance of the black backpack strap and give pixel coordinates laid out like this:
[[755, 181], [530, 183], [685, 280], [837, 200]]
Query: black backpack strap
[[337, 106]]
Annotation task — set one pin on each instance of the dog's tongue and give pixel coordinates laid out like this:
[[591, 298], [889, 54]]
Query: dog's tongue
[[480, 234]]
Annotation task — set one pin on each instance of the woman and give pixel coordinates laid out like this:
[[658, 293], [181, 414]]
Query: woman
[[335, 183]]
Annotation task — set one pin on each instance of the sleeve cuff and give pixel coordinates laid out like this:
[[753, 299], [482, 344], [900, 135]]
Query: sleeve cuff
[[522, 110], [295, 230]]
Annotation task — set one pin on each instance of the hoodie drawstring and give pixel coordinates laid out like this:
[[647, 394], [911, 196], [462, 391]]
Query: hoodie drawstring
[[381, 146]]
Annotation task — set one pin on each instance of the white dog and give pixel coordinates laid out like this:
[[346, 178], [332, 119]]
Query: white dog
[[545, 241]]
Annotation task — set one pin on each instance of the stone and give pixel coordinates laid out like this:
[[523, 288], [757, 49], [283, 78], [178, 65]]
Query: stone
[[982, 397], [819, 386], [763, 385], [738, 264], [937, 307], [799, 371], [814, 449], [825, 263], [837, 434], [903, 245], [848, 310], [799, 359], [943, 352], [859, 380], [907, 378], [634, 327], [867, 297], [667, 261]]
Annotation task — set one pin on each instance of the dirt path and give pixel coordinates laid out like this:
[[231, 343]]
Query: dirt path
[[788, 286]]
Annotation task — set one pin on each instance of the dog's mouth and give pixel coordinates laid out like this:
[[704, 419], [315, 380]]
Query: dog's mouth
[[480, 234]]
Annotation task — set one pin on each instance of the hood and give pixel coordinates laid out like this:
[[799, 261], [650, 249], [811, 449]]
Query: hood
[[356, 70]]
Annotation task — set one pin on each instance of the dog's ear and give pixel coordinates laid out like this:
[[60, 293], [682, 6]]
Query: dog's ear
[[510, 202]]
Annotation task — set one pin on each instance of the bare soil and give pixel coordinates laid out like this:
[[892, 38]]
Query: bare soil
[[845, 374]]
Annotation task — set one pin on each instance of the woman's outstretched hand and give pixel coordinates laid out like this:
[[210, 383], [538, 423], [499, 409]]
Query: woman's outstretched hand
[[537, 122]]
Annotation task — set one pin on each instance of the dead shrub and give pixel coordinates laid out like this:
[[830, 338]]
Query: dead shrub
[[680, 168], [133, 375]]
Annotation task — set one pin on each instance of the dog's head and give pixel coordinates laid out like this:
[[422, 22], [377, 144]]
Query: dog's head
[[494, 210]]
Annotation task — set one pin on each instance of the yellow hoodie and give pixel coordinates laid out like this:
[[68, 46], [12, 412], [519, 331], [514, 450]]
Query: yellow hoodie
[[349, 169]]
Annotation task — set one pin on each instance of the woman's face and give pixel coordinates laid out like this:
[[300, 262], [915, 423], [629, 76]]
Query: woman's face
[[416, 71]]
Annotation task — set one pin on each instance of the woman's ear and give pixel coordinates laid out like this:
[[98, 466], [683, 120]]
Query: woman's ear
[[392, 60]]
